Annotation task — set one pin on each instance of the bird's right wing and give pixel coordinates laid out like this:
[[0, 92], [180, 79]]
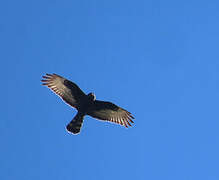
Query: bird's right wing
[[64, 88], [110, 112]]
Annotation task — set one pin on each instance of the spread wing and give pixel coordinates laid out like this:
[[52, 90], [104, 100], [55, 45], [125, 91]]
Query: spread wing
[[110, 112], [64, 88]]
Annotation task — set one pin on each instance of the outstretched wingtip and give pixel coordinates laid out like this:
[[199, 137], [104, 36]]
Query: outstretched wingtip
[[48, 74], [44, 80]]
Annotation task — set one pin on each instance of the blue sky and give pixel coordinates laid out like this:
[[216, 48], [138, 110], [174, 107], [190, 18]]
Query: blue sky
[[157, 59]]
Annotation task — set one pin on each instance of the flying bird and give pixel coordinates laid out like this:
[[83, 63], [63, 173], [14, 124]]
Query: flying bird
[[70, 93]]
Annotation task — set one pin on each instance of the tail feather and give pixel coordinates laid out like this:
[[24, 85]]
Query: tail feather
[[75, 125]]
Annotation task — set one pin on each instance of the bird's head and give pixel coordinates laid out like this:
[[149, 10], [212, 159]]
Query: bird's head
[[91, 96]]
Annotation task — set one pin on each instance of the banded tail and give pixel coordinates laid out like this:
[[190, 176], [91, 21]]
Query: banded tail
[[75, 125]]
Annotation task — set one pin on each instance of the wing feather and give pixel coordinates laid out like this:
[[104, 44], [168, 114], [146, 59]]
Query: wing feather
[[64, 88], [110, 112]]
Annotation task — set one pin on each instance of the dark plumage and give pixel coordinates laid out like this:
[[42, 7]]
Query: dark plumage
[[85, 104]]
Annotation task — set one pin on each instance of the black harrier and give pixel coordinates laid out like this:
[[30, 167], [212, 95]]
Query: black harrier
[[85, 104]]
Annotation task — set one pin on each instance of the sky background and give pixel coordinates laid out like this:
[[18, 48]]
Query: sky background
[[157, 59]]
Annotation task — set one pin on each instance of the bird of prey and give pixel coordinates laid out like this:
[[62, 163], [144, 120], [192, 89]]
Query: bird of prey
[[85, 104]]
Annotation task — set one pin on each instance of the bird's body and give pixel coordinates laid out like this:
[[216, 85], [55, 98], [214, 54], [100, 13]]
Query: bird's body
[[85, 104]]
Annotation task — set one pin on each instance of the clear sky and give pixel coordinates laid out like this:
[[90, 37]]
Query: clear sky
[[157, 59]]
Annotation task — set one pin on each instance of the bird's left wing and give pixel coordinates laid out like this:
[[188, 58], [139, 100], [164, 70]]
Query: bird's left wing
[[64, 88], [110, 112]]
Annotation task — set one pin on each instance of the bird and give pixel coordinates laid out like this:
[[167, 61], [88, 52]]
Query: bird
[[85, 104]]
